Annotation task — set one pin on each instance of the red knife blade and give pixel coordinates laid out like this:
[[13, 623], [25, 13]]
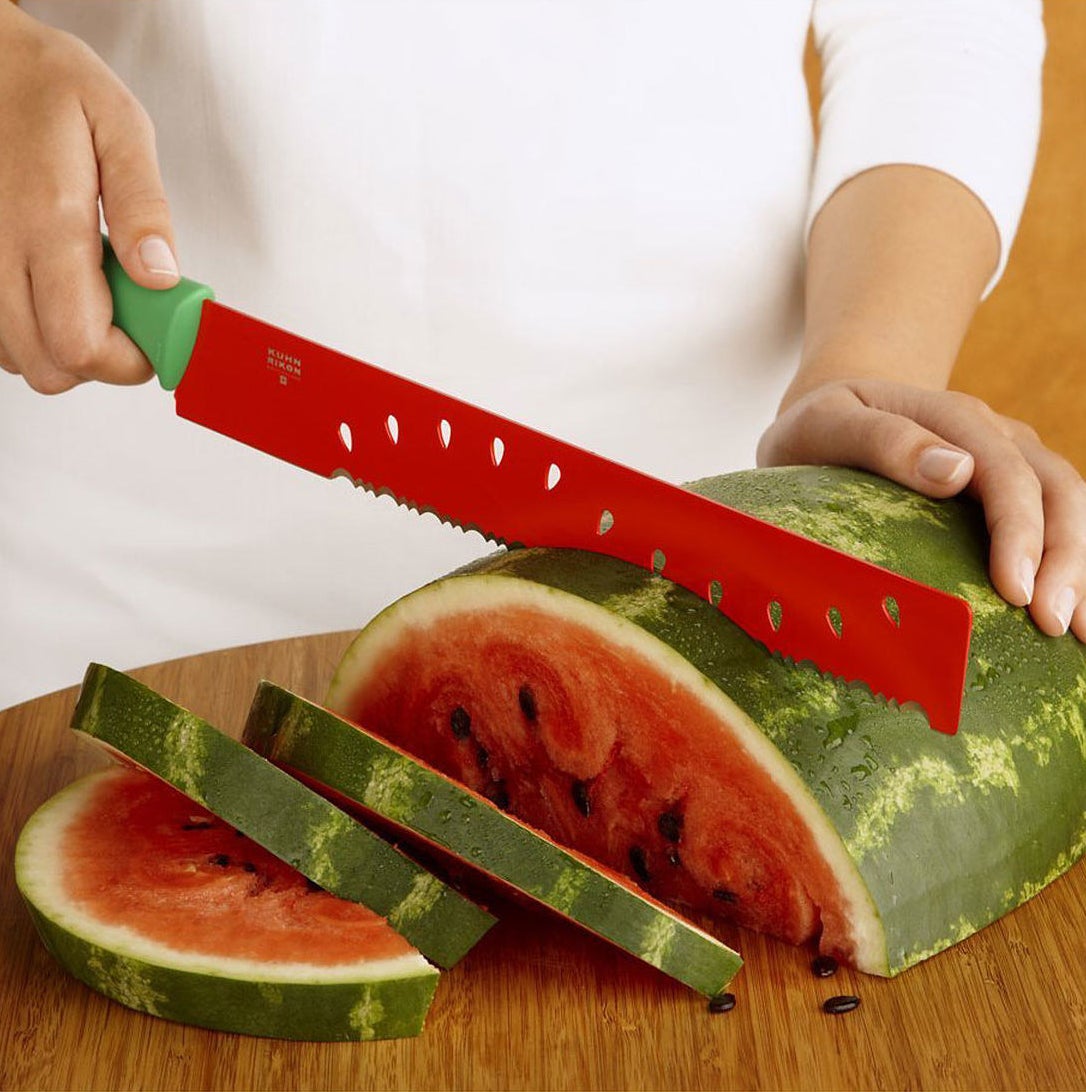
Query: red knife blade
[[334, 415]]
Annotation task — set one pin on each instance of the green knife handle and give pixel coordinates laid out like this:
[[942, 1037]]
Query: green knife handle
[[162, 321]]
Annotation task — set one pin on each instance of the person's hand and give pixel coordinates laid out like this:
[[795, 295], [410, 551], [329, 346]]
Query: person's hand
[[71, 133], [940, 443]]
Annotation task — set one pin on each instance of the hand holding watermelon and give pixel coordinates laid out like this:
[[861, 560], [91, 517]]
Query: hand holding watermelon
[[889, 298], [942, 443]]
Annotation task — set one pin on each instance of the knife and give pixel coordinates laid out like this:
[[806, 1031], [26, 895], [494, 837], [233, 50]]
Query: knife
[[333, 415]]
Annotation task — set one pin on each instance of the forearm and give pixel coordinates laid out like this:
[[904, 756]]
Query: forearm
[[898, 259]]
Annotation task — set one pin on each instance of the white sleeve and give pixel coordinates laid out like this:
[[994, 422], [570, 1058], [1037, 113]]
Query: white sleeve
[[954, 85]]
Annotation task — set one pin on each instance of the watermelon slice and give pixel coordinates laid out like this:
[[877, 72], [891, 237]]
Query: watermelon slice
[[161, 906], [387, 783], [630, 719], [294, 823]]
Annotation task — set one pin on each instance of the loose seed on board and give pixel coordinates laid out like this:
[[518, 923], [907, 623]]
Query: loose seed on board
[[670, 825], [640, 864], [823, 966], [527, 702], [843, 1003], [722, 1002], [460, 722], [724, 895], [579, 790]]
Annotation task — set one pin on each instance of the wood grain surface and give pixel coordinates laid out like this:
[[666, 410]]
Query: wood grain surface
[[539, 1005]]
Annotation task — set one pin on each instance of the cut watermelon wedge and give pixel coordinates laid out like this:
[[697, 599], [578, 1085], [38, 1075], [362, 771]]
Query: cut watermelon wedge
[[384, 781], [278, 812], [159, 905], [632, 720]]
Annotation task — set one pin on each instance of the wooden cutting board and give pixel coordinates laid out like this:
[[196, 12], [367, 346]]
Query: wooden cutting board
[[537, 1004]]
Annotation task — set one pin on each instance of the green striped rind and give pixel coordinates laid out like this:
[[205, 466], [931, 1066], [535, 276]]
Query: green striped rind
[[170, 987], [275, 810], [318, 744], [947, 832]]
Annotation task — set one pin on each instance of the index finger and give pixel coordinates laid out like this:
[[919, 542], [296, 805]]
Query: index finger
[[1003, 481], [74, 310]]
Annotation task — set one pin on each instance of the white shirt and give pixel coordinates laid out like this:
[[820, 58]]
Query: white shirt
[[588, 215]]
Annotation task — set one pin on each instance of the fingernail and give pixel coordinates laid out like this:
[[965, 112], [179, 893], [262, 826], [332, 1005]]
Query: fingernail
[[941, 464], [157, 257], [1027, 575], [1065, 607]]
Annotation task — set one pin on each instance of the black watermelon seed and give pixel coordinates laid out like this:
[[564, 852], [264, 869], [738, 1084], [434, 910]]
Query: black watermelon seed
[[460, 722], [579, 789], [673, 858], [724, 895], [723, 1002], [527, 702], [843, 1003], [219, 859], [496, 793], [311, 886], [639, 864], [823, 966], [248, 866], [670, 825], [482, 756], [197, 824]]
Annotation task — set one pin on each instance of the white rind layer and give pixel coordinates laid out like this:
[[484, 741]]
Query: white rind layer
[[38, 871]]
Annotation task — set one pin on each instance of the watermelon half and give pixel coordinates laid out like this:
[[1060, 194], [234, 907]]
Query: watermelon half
[[632, 720], [160, 905], [289, 820], [387, 783]]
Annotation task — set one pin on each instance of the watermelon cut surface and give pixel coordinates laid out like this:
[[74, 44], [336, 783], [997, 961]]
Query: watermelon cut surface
[[289, 820], [163, 907], [420, 801], [632, 720]]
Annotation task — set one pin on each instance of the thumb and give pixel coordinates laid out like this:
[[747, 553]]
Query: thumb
[[133, 199]]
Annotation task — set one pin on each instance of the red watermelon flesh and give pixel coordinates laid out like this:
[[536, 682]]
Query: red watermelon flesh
[[629, 771], [716, 772], [184, 878], [152, 901]]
